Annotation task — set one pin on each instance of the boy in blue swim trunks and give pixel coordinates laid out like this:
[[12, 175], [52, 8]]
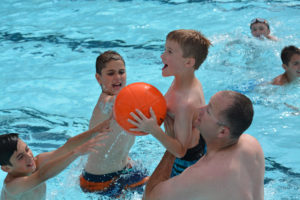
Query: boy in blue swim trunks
[[185, 51], [110, 171], [113, 184]]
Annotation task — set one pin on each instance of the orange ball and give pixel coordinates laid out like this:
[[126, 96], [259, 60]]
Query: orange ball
[[140, 96]]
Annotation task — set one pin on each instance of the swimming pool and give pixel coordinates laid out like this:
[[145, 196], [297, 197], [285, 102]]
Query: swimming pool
[[48, 90]]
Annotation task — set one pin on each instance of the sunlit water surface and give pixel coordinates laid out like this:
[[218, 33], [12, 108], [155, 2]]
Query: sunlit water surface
[[48, 90]]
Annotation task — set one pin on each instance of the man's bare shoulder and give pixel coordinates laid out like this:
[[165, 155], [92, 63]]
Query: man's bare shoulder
[[246, 150], [248, 143], [250, 151]]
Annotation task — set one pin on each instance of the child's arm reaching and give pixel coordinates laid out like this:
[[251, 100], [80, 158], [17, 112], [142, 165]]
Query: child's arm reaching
[[73, 142], [182, 129], [53, 167]]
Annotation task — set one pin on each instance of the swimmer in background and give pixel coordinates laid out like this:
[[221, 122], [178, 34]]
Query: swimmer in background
[[260, 28], [26, 174], [290, 57], [185, 51], [110, 170]]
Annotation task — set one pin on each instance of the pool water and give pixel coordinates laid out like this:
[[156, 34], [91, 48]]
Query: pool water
[[48, 90]]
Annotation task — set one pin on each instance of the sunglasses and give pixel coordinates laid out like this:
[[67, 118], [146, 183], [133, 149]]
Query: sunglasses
[[259, 20]]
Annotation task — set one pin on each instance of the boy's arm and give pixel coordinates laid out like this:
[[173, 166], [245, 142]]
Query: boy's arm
[[73, 142], [160, 174], [51, 168], [182, 128], [292, 107], [271, 37]]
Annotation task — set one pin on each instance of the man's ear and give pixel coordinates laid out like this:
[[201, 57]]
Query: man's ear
[[6, 168], [224, 131], [190, 62]]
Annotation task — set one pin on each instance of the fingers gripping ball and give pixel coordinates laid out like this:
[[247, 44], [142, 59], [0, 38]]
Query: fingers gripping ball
[[140, 96]]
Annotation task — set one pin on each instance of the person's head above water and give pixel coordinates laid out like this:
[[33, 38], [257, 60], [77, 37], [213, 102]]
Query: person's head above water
[[192, 43], [228, 113], [16, 157], [287, 54], [105, 58], [290, 57], [110, 72], [8, 145], [260, 28]]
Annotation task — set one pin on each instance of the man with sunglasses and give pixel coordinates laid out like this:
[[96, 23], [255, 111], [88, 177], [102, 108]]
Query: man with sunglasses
[[260, 28], [233, 167]]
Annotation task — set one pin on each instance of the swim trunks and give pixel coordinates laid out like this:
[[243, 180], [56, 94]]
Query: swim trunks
[[191, 157], [112, 184]]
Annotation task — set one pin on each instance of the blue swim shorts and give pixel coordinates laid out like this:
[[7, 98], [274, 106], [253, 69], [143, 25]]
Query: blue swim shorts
[[113, 184]]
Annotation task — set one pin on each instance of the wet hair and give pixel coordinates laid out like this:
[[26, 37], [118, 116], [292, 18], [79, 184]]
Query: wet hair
[[239, 114], [106, 57], [260, 20], [192, 43], [288, 52], [8, 145]]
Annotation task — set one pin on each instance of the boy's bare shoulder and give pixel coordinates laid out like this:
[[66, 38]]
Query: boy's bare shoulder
[[279, 80], [102, 110], [197, 97], [191, 100]]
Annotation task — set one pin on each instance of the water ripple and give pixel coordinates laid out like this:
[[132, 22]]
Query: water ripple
[[77, 44], [40, 129]]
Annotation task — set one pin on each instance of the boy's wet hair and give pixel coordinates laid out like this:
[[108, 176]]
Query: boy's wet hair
[[106, 57], [260, 20], [192, 43], [288, 52], [8, 145]]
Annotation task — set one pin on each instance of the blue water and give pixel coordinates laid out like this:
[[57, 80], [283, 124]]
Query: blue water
[[48, 90]]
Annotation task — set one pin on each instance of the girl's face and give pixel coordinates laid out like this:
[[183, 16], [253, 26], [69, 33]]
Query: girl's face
[[260, 29], [113, 77]]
